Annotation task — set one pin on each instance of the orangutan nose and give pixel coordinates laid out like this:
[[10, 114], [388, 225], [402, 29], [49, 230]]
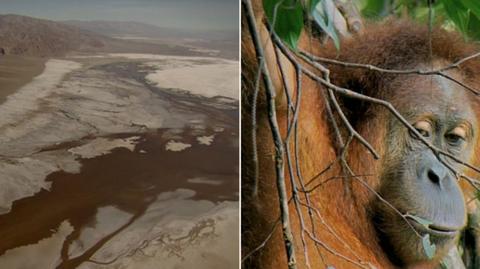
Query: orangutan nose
[[434, 178], [434, 171], [437, 174]]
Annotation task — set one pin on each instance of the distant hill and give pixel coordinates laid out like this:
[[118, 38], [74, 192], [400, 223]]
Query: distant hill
[[138, 29], [27, 36], [21, 35], [126, 29], [226, 42]]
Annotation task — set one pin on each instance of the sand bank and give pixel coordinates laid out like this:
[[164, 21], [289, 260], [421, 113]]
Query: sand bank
[[210, 80], [68, 103], [86, 144], [205, 76], [176, 232]]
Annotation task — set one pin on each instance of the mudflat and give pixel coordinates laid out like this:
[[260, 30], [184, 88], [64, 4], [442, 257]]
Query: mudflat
[[17, 71], [106, 166]]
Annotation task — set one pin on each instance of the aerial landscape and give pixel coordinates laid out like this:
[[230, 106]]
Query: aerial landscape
[[118, 141]]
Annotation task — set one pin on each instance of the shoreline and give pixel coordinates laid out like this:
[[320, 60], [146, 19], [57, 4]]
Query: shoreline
[[18, 71], [88, 140], [129, 180]]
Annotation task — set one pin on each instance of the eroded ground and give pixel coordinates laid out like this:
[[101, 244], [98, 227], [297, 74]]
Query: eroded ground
[[103, 167]]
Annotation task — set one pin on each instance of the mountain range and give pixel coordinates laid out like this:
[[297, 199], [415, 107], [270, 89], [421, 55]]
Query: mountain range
[[22, 35]]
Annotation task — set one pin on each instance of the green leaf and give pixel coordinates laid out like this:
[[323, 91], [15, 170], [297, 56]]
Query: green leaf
[[421, 14], [374, 9], [325, 21], [313, 4], [474, 28], [477, 195], [420, 220], [428, 247], [286, 18], [473, 5], [458, 13]]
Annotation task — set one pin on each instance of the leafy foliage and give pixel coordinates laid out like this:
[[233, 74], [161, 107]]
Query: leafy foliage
[[287, 16], [375, 9], [420, 220], [324, 19], [428, 246], [464, 15]]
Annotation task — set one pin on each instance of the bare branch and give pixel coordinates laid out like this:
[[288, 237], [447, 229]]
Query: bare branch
[[349, 93], [263, 243], [279, 151], [312, 67], [439, 71], [390, 71]]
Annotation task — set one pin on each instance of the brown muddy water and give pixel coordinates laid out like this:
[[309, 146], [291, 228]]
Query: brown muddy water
[[16, 71], [129, 180]]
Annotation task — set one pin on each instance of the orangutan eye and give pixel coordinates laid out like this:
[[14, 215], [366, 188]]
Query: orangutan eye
[[456, 136], [423, 127]]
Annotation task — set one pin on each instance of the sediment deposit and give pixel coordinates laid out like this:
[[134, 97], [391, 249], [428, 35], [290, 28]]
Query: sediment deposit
[[89, 178]]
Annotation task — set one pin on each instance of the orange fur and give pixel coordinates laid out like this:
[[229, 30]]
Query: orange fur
[[392, 44]]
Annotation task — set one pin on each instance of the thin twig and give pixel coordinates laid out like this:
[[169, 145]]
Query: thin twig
[[439, 71], [349, 93], [254, 113], [279, 151], [263, 243], [282, 147]]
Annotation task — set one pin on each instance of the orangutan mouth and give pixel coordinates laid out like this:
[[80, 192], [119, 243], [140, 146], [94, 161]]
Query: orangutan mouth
[[434, 229]]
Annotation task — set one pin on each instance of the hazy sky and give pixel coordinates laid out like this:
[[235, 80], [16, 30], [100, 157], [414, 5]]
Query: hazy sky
[[187, 14]]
